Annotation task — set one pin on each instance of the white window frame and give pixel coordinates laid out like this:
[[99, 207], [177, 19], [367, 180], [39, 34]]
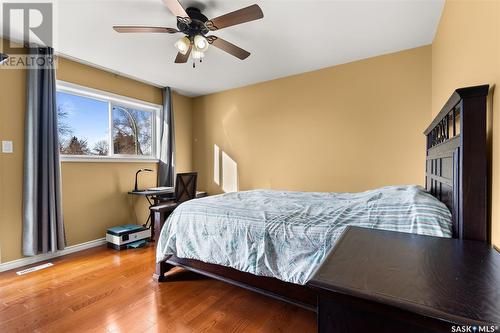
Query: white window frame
[[118, 100]]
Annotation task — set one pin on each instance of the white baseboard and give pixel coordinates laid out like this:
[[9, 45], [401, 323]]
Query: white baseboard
[[46, 256]]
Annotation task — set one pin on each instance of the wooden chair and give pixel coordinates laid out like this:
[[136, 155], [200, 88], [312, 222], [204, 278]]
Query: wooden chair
[[185, 189]]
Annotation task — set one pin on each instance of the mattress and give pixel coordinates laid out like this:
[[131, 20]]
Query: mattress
[[286, 235]]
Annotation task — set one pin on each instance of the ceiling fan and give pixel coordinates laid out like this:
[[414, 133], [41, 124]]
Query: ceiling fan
[[195, 26]]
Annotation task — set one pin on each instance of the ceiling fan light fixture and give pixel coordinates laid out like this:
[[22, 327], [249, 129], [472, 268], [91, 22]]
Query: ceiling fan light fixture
[[197, 54], [182, 45], [201, 43], [195, 25]]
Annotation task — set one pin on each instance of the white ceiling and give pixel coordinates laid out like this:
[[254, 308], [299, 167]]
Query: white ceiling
[[295, 36]]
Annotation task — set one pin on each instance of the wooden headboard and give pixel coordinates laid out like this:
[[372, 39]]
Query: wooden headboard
[[457, 162]]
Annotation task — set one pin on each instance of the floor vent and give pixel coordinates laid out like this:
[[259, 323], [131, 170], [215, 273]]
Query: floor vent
[[33, 269]]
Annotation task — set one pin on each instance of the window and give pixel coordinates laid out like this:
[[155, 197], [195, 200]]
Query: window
[[98, 125], [132, 131], [82, 124]]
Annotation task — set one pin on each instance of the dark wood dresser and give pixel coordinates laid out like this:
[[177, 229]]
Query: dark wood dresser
[[383, 281]]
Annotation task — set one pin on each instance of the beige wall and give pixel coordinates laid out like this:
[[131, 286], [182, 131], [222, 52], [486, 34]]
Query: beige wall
[[94, 194], [12, 101], [466, 52], [346, 128]]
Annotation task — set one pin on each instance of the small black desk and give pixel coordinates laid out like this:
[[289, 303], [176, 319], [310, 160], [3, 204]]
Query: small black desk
[[384, 281], [148, 194], [155, 196], [163, 194]]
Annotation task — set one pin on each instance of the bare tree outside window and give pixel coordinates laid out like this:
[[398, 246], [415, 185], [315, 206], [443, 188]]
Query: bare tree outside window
[[76, 147], [101, 148], [63, 128], [131, 131]]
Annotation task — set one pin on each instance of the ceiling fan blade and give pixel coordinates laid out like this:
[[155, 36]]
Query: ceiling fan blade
[[176, 8], [132, 29], [183, 58], [228, 47], [239, 16]]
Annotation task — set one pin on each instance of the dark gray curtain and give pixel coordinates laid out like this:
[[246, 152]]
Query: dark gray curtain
[[166, 166], [43, 228]]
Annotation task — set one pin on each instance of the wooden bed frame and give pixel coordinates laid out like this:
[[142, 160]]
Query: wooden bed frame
[[457, 161], [456, 174]]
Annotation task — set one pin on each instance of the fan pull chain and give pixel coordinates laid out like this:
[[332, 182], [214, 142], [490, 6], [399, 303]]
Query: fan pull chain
[[194, 63]]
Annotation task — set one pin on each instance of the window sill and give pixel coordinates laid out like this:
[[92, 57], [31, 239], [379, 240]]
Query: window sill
[[65, 159]]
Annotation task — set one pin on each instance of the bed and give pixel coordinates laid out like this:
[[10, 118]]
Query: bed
[[272, 241], [286, 235]]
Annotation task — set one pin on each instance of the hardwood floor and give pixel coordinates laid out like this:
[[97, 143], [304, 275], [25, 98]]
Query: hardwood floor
[[103, 290]]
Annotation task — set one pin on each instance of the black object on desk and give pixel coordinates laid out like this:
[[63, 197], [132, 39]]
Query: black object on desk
[[385, 281], [136, 189]]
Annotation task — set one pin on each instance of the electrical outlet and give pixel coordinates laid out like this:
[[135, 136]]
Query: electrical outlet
[[7, 147]]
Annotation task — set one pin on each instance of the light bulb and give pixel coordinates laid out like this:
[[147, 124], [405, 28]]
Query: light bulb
[[182, 45], [201, 43]]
